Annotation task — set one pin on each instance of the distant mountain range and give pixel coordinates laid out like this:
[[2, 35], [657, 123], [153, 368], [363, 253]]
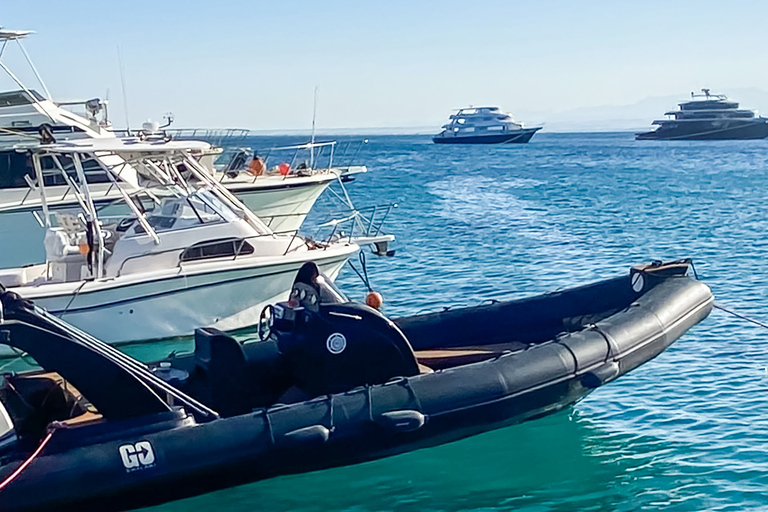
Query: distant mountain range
[[635, 117]]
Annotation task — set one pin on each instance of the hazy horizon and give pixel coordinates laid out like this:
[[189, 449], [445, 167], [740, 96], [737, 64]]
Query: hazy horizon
[[255, 65]]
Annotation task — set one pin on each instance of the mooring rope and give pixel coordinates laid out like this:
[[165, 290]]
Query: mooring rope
[[743, 317], [27, 462], [364, 274], [730, 311]]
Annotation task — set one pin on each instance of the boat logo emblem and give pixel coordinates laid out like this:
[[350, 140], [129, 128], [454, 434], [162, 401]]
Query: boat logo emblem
[[638, 282], [137, 456], [336, 343]]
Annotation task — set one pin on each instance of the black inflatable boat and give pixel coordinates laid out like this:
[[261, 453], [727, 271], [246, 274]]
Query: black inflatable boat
[[332, 383]]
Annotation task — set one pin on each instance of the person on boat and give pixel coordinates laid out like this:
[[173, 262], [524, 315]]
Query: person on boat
[[256, 167], [309, 275]]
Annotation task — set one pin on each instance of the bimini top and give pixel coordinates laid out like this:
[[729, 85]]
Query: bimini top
[[11, 35], [125, 145]]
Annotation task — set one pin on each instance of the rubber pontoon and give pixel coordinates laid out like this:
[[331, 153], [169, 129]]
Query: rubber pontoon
[[336, 383]]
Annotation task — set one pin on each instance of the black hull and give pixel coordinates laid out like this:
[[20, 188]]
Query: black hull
[[706, 131], [517, 137], [553, 371]]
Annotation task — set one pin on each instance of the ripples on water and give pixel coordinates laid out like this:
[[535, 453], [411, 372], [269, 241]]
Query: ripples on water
[[686, 431]]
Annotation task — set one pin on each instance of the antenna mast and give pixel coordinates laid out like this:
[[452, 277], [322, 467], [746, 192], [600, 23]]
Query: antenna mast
[[312, 141], [125, 93]]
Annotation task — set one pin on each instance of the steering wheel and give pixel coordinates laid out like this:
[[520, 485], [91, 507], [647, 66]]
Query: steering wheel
[[266, 321]]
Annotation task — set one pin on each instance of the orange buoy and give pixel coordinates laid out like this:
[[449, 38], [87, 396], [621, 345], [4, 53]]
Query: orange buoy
[[374, 300]]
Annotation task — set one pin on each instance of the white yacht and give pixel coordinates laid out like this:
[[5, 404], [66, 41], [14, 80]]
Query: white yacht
[[28, 118], [179, 252], [483, 125]]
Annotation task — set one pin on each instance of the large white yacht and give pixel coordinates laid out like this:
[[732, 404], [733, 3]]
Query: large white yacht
[[27, 118], [483, 125], [178, 252]]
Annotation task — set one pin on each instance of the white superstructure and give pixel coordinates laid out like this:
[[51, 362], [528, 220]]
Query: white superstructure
[[483, 125]]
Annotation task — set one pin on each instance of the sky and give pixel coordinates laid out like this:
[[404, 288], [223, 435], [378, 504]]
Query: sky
[[384, 64]]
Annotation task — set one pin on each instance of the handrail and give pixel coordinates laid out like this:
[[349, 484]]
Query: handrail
[[341, 157], [373, 228]]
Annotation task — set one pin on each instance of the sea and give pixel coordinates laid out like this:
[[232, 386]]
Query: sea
[[687, 431]]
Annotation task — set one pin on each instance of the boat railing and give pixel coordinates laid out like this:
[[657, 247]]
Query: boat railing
[[220, 137], [363, 224], [315, 157]]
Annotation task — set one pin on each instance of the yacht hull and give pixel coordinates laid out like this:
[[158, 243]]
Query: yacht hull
[[284, 204], [228, 295], [516, 137], [709, 130]]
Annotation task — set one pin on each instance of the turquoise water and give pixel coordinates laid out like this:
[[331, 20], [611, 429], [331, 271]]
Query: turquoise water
[[686, 431]]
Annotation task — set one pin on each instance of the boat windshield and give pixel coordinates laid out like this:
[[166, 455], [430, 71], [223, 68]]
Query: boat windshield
[[201, 207], [329, 292]]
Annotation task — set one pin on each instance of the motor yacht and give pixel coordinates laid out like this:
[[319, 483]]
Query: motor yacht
[[708, 116], [483, 125], [178, 251], [27, 118]]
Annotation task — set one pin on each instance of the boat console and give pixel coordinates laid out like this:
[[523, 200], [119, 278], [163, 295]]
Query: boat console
[[331, 345]]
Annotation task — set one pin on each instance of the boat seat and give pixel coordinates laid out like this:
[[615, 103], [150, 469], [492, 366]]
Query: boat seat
[[441, 359], [242, 377]]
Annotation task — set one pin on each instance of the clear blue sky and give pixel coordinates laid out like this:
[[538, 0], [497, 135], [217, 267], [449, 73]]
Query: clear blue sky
[[393, 63]]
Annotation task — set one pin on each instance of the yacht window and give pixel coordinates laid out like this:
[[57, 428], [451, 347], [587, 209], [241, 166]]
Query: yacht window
[[468, 129], [495, 128], [228, 248], [94, 173], [461, 121], [14, 98], [13, 167]]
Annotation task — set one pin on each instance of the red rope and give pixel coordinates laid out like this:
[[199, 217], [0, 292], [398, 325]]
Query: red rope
[[27, 462]]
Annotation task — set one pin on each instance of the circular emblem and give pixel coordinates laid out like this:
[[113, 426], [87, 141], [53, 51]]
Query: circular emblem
[[336, 343], [638, 282]]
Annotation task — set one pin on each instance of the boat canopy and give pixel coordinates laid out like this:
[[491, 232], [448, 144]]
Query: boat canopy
[[129, 145], [119, 387], [11, 35]]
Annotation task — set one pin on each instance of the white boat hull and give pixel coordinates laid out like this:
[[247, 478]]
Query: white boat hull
[[226, 295], [282, 204]]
